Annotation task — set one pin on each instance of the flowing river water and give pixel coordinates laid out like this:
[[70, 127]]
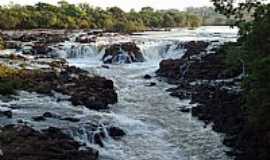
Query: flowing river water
[[156, 128]]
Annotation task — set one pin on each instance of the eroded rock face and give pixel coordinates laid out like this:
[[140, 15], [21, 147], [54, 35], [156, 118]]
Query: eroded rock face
[[196, 66], [194, 48], [216, 92], [34, 42], [123, 53], [94, 92], [24, 143], [46, 36]]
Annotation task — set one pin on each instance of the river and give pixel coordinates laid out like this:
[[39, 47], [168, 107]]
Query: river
[[156, 128]]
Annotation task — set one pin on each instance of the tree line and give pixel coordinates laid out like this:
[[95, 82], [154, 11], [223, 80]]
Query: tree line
[[81, 16], [252, 49]]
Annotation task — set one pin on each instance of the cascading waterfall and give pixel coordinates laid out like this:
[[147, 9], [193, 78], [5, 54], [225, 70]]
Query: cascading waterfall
[[157, 50], [77, 50], [155, 128]]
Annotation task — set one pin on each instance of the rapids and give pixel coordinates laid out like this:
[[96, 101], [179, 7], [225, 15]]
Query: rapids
[[156, 128]]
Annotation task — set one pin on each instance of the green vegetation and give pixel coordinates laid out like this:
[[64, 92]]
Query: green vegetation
[[209, 16], [2, 43], [253, 48], [82, 16]]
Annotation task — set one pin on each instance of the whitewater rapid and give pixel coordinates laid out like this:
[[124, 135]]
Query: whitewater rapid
[[156, 128]]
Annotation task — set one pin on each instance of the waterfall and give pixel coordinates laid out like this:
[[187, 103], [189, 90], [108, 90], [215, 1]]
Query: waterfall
[[156, 50], [77, 50]]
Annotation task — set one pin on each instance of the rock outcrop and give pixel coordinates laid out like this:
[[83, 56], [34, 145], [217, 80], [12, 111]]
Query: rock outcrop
[[24, 143], [123, 53], [215, 87], [94, 92]]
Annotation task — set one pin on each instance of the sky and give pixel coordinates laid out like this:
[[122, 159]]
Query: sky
[[127, 4]]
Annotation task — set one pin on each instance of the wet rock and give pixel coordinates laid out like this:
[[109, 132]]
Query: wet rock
[[25, 143], [13, 45], [170, 68], [37, 48], [39, 118], [7, 114], [105, 66], [51, 115], [86, 39], [147, 77], [152, 84], [185, 110], [71, 119], [93, 92], [194, 48], [98, 139], [216, 102], [115, 132], [123, 53], [46, 36], [208, 67]]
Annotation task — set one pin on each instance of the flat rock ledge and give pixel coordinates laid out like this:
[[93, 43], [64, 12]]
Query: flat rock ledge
[[94, 92]]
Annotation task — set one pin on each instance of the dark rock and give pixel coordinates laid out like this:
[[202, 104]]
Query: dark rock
[[185, 110], [24, 143], [194, 48], [39, 118], [7, 114], [123, 53], [170, 68], [71, 119], [86, 39], [105, 66], [115, 132], [152, 84], [98, 139], [217, 104], [51, 115], [147, 76], [13, 45], [209, 67], [37, 48], [93, 92]]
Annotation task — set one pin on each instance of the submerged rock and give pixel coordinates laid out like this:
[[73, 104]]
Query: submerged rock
[[39, 118], [147, 77], [7, 113], [71, 119], [123, 53], [115, 132]]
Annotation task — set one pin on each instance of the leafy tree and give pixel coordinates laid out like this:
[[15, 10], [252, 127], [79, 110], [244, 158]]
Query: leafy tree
[[253, 20], [70, 16]]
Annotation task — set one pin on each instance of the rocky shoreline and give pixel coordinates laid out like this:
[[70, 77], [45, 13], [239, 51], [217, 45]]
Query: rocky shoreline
[[24, 143], [93, 92], [215, 89], [46, 76]]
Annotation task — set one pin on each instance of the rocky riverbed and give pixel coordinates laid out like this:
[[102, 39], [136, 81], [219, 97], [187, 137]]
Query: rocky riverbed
[[118, 110], [215, 89]]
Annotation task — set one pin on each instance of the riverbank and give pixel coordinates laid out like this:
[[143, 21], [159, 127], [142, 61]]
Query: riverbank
[[215, 89], [24, 74]]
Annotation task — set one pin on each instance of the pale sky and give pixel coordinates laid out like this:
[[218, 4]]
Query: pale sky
[[127, 4]]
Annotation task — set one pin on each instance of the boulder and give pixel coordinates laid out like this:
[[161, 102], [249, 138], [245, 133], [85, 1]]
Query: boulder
[[115, 132], [123, 53], [24, 143], [147, 77]]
